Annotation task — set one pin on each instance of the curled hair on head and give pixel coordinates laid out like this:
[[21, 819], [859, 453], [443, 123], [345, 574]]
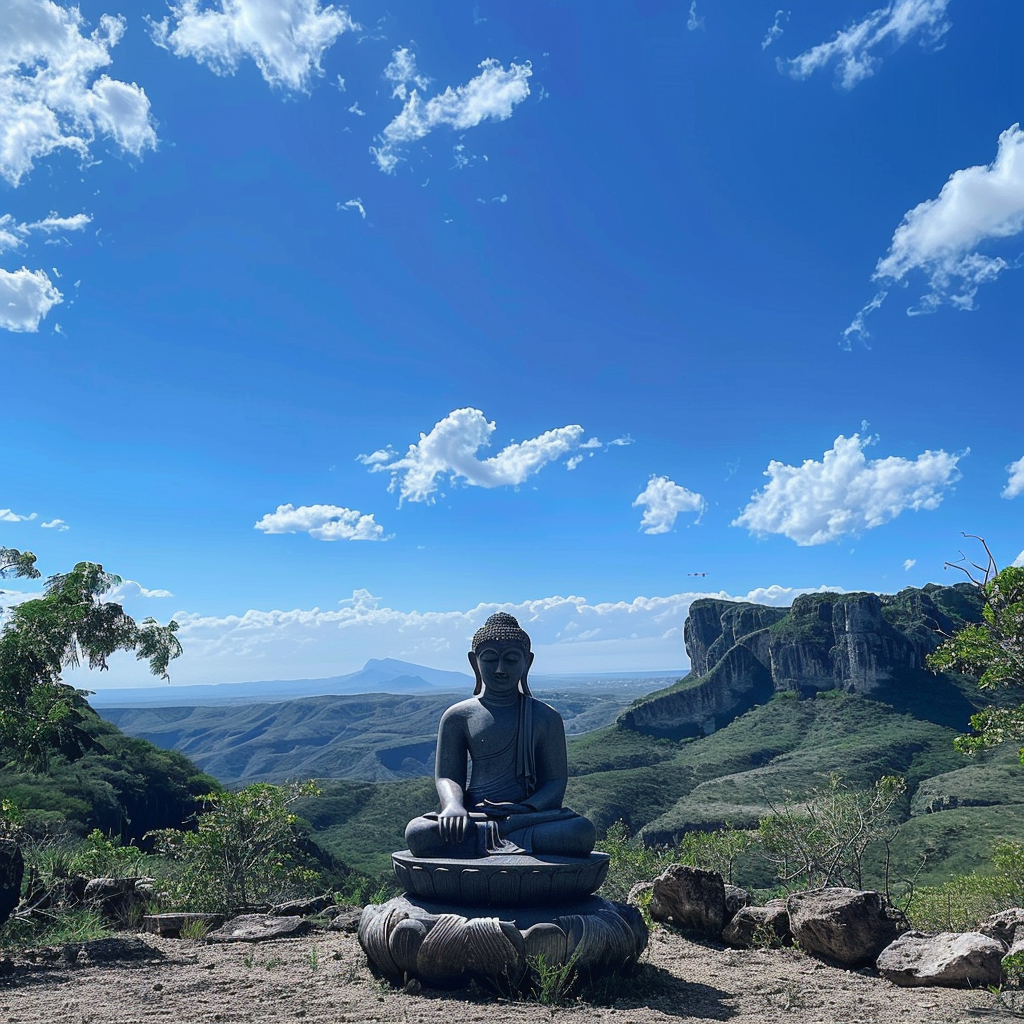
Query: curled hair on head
[[501, 628]]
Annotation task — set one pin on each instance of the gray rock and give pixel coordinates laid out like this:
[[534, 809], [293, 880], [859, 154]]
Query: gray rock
[[735, 897], [121, 901], [170, 926], [346, 920], [259, 928], [692, 898], [302, 908], [849, 927], [759, 926], [1007, 926], [950, 959], [12, 869]]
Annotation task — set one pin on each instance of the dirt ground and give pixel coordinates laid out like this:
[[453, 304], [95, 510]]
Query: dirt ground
[[324, 977]]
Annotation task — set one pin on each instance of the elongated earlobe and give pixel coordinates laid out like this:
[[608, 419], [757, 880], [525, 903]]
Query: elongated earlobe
[[478, 689]]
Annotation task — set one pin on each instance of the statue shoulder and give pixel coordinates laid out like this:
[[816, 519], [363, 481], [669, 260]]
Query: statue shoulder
[[462, 710], [545, 715]]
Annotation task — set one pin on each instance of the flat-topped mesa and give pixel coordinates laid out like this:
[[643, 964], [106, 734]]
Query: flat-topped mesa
[[512, 802]]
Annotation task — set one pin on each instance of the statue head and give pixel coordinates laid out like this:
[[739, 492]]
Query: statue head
[[498, 633]]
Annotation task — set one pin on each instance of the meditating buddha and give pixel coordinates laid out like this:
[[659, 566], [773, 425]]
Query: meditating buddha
[[501, 766]]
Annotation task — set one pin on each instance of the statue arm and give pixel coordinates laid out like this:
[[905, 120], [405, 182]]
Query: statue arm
[[450, 777], [552, 763]]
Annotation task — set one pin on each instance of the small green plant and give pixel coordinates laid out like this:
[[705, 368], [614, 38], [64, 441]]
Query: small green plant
[[631, 861], [552, 981], [313, 958], [196, 929], [1013, 970], [53, 929]]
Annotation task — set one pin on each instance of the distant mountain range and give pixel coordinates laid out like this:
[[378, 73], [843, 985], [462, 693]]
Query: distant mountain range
[[378, 675]]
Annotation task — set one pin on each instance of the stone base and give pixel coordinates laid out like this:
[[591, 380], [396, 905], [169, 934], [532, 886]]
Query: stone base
[[446, 945], [503, 880]]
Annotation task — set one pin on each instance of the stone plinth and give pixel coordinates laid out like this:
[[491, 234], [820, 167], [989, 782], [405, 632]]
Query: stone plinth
[[445, 945], [505, 880]]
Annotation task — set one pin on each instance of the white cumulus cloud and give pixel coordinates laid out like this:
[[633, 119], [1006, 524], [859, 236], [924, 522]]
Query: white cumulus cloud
[[490, 96], [845, 493], [909, 564], [1019, 560], [662, 501], [130, 589], [322, 522], [451, 449], [1015, 485], [50, 97], [853, 50], [942, 237], [286, 39], [55, 524], [26, 296]]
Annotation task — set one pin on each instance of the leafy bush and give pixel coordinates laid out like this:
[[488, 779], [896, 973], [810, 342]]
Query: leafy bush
[[246, 850]]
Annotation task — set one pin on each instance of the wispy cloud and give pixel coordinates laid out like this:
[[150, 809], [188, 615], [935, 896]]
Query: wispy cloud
[[1015, 485], [451, 447], [26, 296], [490, 96], [845, 493], [694, 20], [942, 237], [8, 515], [402, 71], [852, 50], [909, 564], [663, 500], [775, 29], [354, 204], [55, 524], [286, 39], [322, 522], [50, 95]]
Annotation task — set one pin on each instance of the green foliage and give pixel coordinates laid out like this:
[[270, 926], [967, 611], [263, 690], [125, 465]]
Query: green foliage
[[992, 651], [18, 563], [70, 625], [55, 929], [631, 861], [552, 982], [246, 850], [823, 841], [714, 851]]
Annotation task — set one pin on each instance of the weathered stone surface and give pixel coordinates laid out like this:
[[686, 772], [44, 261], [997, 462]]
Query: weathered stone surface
[[259, 927], [849, 927], [346, 920], [121, 901], [113, 950], [1007, 926], [735, 897], [951, 959], [643, 892], [170, 925], [445, 946], [693, 898], [759, 926], [12, 869], [302, 908], [503, 880]]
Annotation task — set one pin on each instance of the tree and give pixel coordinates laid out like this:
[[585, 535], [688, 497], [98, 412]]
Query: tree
[[70, 625], [991, 650]]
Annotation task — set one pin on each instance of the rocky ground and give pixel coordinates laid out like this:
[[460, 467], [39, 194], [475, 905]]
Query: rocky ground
[[324, 977]]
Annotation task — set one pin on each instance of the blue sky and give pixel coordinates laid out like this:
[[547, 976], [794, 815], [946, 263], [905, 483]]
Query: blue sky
[[332, 328]]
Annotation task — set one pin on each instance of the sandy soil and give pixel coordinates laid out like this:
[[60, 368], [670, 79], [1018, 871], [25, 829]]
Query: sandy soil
[[325, 978]]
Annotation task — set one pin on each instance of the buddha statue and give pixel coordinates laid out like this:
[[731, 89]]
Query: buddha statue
[[501, 766]]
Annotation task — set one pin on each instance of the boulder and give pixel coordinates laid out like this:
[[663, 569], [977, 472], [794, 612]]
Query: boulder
[[951, 959], [735, 897], [302, 908], [692, 898], [849, 927], [759, 926], [346, 920], [12, 869], [1006, 926], [259, 928], [120, 901]]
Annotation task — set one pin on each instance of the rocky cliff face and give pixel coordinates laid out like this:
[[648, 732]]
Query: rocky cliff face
[[741, 653]]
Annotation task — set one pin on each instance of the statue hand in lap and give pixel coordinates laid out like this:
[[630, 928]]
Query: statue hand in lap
[[511, 801]]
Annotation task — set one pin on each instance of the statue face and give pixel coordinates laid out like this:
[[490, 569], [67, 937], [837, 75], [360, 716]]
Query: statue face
[[501, 666]]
